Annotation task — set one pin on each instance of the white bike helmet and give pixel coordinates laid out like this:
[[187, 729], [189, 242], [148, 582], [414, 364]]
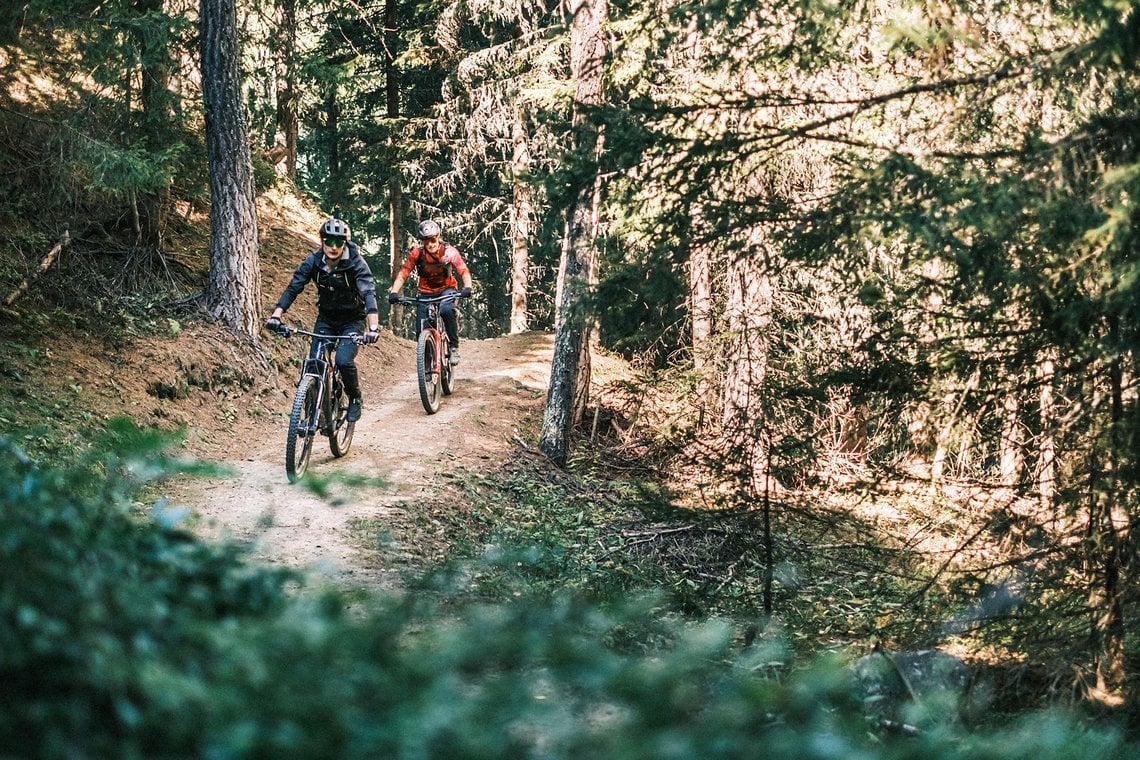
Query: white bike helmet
[[335, 228], [428, 228]]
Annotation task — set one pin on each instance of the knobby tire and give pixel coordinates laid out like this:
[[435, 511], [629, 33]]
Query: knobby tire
[[340, 436], [446, 372], [429, 378], [302, 428]]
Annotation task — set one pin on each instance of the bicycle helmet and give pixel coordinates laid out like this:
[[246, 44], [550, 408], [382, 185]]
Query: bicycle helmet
[[428, 228], [335, 228]]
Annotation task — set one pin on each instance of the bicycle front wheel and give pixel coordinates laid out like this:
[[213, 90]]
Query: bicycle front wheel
[[427, 371], [340, 433], [302, 428]]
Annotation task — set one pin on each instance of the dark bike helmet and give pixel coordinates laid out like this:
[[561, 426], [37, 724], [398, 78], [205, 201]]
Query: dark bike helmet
[[335, 228], [428, 228]]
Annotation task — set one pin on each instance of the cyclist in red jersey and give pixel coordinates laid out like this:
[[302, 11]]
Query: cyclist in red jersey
[[436, 263]]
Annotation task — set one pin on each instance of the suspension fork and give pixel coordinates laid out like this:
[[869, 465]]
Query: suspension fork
[[440, 332], [328, 387], [431, 324], [320, 367]]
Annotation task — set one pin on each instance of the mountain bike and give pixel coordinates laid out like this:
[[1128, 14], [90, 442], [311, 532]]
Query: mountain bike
[[320, 405], [433, 352]]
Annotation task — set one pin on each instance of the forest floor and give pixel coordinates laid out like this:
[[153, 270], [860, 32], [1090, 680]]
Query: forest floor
[[395, 487]]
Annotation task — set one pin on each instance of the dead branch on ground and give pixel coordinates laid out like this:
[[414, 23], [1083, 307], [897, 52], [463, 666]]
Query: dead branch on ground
[[45, 263]]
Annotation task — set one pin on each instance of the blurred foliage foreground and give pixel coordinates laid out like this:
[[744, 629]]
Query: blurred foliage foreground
[[125, 637]]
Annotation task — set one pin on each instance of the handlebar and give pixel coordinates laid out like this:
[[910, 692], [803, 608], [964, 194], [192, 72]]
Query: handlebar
[[408, 301], [286, 331]]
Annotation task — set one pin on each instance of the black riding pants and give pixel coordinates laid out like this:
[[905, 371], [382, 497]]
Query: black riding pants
[[345, 351], [447, 311]]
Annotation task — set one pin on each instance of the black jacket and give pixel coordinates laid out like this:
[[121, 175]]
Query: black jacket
[[344, 294]]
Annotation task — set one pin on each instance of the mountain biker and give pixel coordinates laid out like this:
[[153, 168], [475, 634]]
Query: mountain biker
[[346, 300], [434, 261]]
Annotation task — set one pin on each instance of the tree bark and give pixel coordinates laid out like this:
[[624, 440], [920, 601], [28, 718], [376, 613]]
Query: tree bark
[[234, 289], [520, 225], [1047, 448], [748, 320], [700, 303], [287, 118], [1108, 525], [395, 185], [335, 57], [157, 104], [333, 183], [701, 318], [1011, 454], [569, 375], [589, 259], [952, 405], [395, 243]]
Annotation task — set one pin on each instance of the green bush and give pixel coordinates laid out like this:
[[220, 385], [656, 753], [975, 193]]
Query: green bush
[[122, 636]]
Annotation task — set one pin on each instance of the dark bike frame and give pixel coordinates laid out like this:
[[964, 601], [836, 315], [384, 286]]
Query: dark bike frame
[[315, 411], [433, 351]]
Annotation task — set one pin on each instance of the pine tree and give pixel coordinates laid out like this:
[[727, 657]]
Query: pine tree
[[234, 292], [570, 367]]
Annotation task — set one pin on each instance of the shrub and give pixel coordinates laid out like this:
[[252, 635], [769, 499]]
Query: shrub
[[123, 636]]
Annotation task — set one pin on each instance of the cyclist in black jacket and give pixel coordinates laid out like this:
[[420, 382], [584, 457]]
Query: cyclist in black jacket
[[346, 301]]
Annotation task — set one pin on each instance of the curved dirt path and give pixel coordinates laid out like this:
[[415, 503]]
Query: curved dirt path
[[501, 384]]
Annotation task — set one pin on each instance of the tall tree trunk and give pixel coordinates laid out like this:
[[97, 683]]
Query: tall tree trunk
[[395, 242], [1047, 448], [587, 49], [700, 303], [554, 440], [748, 318], [520, 224], [157, 105], [921, 429], [395, 187], [1011, 451], [701, 316], [1108, 523], [590, 274], [951, 419], [234, 290], [332, 41], [333, 182], [286, 41], [560, 281], [1106, 593]]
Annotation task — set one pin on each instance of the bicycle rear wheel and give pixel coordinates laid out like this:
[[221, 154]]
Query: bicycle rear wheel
[[340, 435], [302, 428], [446, 372], [427, 372]]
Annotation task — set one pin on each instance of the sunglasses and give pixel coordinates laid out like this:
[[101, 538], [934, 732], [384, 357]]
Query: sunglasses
[[334, 242], [429, 241]]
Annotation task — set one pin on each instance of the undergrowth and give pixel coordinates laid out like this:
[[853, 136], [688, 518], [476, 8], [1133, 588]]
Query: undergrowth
[[536, 530], [124, 636], [844, 575]]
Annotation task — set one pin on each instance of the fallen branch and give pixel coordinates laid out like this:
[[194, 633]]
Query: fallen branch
[[655, 532], [48, 260]]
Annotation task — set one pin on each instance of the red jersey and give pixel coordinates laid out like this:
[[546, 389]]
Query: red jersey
[[435, 273]]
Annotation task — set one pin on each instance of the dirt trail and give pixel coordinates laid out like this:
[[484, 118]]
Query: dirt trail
[[501, 384]]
